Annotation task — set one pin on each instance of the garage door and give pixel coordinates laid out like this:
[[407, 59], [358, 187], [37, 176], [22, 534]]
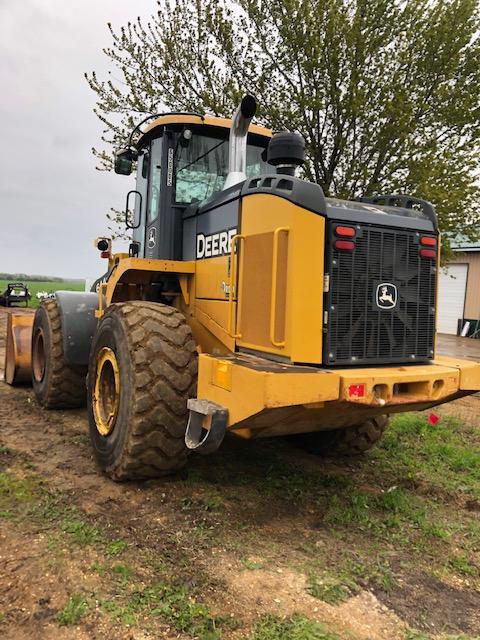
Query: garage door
[[451, 297]]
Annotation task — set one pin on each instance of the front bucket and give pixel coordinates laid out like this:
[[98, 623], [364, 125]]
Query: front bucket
[[18, 354]]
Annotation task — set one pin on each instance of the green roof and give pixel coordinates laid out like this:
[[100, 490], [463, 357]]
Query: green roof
[[462, 243]]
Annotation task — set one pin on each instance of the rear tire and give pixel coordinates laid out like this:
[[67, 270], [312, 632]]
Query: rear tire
[[349, 441], [143, 369], [56, 384]]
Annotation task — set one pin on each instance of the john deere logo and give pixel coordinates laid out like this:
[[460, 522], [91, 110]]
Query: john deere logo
[[386, 296], [151, 238]]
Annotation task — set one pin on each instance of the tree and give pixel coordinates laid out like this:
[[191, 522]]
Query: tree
[[385, 92]]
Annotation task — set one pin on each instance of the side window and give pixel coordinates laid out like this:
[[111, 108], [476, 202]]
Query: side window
[[202, 167], [154, 182]]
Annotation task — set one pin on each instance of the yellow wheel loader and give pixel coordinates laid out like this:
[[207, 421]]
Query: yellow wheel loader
[[248, 302]]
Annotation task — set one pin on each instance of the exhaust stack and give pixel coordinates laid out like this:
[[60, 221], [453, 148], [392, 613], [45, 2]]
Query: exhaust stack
[[237, 152]]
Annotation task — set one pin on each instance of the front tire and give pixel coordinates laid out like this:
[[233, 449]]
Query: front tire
[[56, 384], [143, 369]]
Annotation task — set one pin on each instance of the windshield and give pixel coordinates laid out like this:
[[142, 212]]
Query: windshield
[[202, 167]]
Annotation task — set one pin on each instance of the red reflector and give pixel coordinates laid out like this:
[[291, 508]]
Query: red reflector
[[344, 245], [356, 391], [345, 232], [428, 241], [105, 254], [428, 253], [433, 419]]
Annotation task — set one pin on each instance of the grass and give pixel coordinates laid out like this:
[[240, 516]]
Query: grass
[[444, 455], [81, 531], [123, 572], [174, 604], [294, 628], [16, 489], [73, 611], [47, 285], [332, 589], [401, 502], [368, 523], [115, 548], [461, 565]]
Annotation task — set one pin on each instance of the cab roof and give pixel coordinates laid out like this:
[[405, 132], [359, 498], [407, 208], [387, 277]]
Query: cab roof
[[187, 118]]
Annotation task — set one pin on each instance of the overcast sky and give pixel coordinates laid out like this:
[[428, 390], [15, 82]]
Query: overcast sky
[[52, 200]]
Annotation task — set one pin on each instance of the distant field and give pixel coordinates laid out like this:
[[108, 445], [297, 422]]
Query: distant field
[[48, 286]]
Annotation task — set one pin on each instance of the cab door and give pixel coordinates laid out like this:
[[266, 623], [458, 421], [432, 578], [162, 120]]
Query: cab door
[[141, 201], [153, 198]]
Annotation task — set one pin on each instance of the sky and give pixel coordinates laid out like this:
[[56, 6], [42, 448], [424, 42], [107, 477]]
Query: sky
[[53, 202]]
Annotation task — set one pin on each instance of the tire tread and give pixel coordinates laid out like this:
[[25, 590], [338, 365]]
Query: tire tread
[[164, 377], [67, 388]]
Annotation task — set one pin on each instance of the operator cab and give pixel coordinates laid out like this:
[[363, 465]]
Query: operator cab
[[182, 160]]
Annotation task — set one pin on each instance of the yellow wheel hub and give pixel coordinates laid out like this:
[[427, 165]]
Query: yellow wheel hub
[[106, 394]]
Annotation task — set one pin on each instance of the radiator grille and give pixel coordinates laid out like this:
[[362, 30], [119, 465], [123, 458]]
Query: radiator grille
[[357, 330]]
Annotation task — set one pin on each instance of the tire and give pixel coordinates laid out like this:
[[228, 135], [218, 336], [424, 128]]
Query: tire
[[142, 371], [56, 384], [349, 441]]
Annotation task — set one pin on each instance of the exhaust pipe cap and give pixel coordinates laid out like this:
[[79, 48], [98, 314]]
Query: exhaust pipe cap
[[248, 106]]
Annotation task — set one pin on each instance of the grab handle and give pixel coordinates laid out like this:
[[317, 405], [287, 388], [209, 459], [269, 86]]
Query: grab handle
[[233, 277], [273, 298]]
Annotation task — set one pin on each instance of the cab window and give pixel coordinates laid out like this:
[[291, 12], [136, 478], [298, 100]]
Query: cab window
[[155, 169], [202, 167]]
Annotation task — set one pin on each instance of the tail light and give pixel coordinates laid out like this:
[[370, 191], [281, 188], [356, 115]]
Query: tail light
[[430, 254], [428, 241], [345, 232], [344, 245]]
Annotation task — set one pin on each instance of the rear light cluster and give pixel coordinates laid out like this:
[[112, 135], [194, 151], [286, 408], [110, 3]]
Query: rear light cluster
[[342, 244], [345, 232], [430, 253]]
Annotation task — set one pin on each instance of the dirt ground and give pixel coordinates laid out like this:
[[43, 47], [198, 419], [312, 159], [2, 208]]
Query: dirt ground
[[239, 540]]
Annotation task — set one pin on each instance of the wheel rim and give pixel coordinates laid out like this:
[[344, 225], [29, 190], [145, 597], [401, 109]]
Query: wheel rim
[[106, 395], [38, 355]]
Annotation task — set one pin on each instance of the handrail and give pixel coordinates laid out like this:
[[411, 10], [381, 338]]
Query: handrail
[[273, 298], [233, 277], [101, 288]]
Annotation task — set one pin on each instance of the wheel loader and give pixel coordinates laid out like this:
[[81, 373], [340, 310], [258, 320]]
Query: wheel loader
[[248, 302]]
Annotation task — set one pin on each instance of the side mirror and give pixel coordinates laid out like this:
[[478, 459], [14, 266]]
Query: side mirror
[[124, 159], [128, 224]]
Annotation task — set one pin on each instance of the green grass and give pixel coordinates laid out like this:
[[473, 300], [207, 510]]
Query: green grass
[[461, 565], [115, 548], [47, 285], [73, 611], [294, 628], [397, 507], [123, 572], [15, 489], [174, 604], [444, 455], [332, 589], [80, 530]]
